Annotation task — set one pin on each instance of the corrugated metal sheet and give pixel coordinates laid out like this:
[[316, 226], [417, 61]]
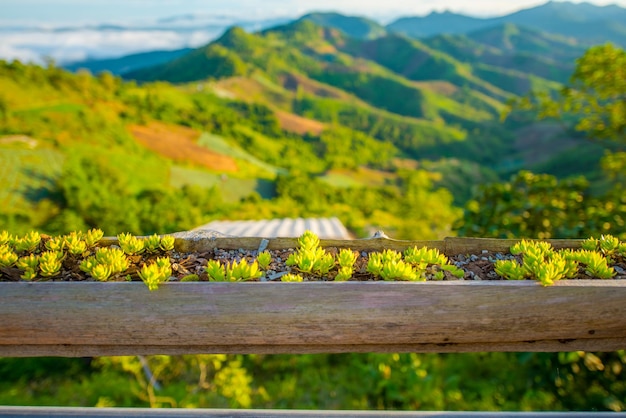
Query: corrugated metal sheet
[[326, 228]]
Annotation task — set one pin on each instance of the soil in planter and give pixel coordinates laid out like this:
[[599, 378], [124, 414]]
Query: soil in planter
[[475, 267]]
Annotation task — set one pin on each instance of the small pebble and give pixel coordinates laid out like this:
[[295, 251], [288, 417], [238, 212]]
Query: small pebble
[[263, 245], [277, 275]]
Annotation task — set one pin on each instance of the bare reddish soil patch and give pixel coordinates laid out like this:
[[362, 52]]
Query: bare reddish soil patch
[[297, 124], [242, 88], [178, 143], [293, 81], [442, 87]]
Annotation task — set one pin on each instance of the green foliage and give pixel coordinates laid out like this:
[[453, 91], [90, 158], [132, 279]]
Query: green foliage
[[215, 61], [178, 381], [100, 272], [234, 271], [130, 244], [510, 270], [28, 243], [409, 135], [167, 243], [541, 206], [7, 256], [414, 264], [242, 270], [215, 271], [595, 97], [104, 263], [383, 207], [48, 256], [73, 242], [543, 263], [346, 148], [6, 238], [431, 261], [60, 110], [152, 243], [309, 257], [389, 265], [608, 245], [156, 272], [345, 259], [50, 263], [264, 259], [290, 277], [29, 265], [596, 264], [190, 278]]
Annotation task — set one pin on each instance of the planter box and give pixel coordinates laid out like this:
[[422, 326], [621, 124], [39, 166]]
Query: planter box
[[119, 318]]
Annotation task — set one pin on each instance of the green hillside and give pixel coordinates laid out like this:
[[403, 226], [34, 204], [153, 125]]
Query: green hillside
[[488, 48], [127, 63], [264, 112], [356, 27], [431, 99], [364, 68], [517, 39], [584, 22], [436, 23], [81, 151], [384, 132]]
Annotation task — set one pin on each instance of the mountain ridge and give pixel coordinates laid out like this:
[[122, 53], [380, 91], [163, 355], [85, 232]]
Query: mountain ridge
[[390, 76], [429, 97]]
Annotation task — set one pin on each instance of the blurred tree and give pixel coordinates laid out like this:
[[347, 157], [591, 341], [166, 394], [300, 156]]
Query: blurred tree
[[595, 99], [4, 108], [540, 206], [528, 206]]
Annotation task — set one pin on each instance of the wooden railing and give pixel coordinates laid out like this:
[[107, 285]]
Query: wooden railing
[[97, 319]]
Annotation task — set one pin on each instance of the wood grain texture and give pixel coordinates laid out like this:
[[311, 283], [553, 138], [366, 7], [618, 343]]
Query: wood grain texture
[[88, 318], [448, 246], [252, 243]]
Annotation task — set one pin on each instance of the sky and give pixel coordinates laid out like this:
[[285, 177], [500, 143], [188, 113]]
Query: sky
[[65, 30], [97, 11]]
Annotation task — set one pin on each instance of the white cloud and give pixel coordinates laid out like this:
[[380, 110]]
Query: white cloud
[[11, 52], [73, 45], [198, 22]]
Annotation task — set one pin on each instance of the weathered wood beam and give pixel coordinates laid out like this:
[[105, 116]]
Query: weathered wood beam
[[89, 318]]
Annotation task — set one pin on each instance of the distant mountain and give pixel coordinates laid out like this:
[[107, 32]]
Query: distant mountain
[[585, 22], [513, 38], [356, 27], [542, 41], [430, 97], [437, 23], [215, 60], [127, 63]]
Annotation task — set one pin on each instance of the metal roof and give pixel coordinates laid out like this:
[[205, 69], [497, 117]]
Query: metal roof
[[325, 228]]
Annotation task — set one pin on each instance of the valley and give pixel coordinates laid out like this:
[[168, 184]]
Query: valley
[[336, 105]]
